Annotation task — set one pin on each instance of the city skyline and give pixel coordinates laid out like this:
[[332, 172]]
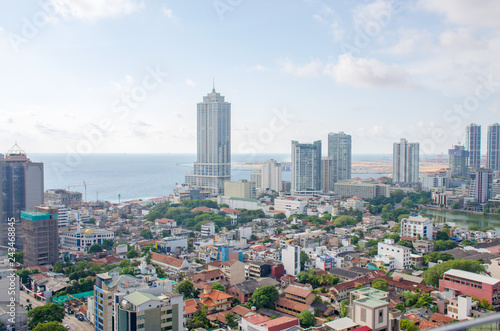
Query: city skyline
[[425, 71]]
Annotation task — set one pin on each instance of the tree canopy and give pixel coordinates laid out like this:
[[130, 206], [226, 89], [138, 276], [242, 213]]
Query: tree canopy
[[306, 319], [50, 326], [434, 274], [264, 297], [186, 288], [50, 312], [218, 286], [380, 284]]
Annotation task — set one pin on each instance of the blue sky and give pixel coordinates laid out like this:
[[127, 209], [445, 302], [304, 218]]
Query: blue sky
[[293, 70]]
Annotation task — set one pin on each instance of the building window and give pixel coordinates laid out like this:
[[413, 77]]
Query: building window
[[381, 316]]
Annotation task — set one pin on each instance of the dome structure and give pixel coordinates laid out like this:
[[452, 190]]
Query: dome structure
[[88, 231]]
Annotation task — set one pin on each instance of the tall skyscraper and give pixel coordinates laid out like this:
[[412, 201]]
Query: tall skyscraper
[[41, 236], [306, 167], [271, 176], [458, 161], [405, 162], [22, 189], [494, 147], [213, 165], [326, 174], [473, 145], [339, 149]]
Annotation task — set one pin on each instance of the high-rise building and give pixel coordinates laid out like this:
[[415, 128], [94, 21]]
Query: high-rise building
[[306, 167], [480, 185], [22, 189], [256, 177], [405, 162], [41, 236], [213, 165], [326, 174], [339, 149], [290, 256], [458, 161], [493, 147], [473, 144], [271, 176]]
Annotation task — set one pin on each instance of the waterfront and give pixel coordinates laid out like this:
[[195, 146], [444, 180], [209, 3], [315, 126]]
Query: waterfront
[[462, 220]]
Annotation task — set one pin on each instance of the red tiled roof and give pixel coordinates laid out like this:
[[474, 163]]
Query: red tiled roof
[[351, 284], [290, 304], [288, 278], [166, 259], [215, 295], [256, 319], [165, 220], [425, 324], [363, 328], [279, 321], [230, 210], [297, 291], [188, 310], [240, 310], [145, 242], [206, 275], [202, 208], [437, 317]]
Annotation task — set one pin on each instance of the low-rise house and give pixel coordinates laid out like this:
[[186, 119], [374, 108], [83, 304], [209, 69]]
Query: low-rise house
[[169, 262], [215, 300], [243, 291], [165, 223], [299, 294], [291, 307]]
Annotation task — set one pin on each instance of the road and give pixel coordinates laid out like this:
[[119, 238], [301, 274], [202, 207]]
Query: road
[[73, 323]]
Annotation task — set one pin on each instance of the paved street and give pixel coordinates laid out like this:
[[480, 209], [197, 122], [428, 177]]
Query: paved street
[[73, 323]]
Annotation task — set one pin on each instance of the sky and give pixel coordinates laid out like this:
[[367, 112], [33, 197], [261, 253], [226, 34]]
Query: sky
[[124, 76]]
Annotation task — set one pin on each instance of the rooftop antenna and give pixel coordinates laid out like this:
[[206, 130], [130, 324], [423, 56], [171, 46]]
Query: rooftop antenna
[[213, 85]]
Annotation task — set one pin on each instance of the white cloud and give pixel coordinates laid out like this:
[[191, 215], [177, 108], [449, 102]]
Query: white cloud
[[329, 18], [313, 68], [412, 41], [461, 38], [92, 10], [168, 12], [190, 83], [259, 67], [379, 11], [482, 13], [361, 72]]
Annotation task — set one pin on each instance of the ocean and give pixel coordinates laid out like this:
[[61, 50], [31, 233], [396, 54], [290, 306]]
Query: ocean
[[142, 176]]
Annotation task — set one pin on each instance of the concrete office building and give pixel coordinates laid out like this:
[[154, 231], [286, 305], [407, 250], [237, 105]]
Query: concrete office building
[[306, 168], [493, 152], [473, 144], [405, 163], [340, 150], [399, 255], [480, 185], [242, 189], [256, 177], [326, 174], [362, 189], [290, 256], [22, 189], [41, 236], [458, 157], [213, 165], [271, 176]]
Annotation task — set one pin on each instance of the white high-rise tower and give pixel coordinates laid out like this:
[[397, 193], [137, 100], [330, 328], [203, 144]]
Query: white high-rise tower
[[405, 162], [213, 165]]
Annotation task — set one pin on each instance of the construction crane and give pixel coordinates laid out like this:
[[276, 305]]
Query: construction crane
[[84, 185]]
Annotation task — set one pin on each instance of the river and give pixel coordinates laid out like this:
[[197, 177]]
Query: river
[[461, 219]]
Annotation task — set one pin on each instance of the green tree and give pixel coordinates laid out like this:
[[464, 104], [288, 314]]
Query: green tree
[[410, 298], [424, 301], [107, 244], [280, 216], [344, 308], [408, 325], [50, 326], [444, 245], [474, 227], [160, 273], [218, 286], [398, 195], [146, 234], [264, 297], [51, 312], [303, 259], [380, 284], [186, 288], [468, 242], [434, 274], [128, 270], [306, 319], [407, 203], [441, 235], [95, 248], [230, 320], [132, 253], [437, 256], [199, 320]]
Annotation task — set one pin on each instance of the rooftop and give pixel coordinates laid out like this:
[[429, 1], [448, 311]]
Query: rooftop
[[472, 276], [138, 298]]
